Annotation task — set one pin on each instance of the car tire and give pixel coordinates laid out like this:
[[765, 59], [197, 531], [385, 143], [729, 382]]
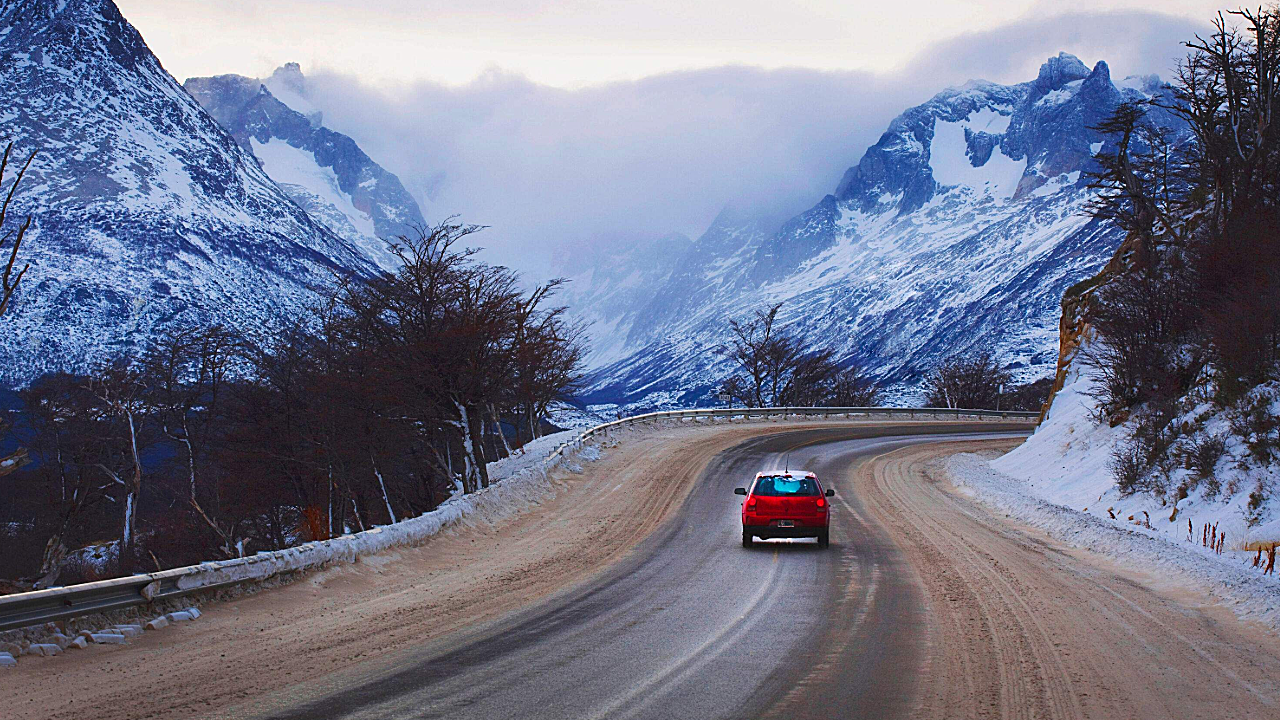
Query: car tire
[[824, 539], [747, 539]]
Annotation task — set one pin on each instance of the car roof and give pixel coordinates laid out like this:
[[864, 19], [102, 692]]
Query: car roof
[[787, 473]]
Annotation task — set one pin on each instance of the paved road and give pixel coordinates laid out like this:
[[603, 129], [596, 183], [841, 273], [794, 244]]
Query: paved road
[[692, 625]]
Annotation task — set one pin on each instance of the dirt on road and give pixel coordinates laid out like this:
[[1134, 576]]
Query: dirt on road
[[1020, 626], [362, 614], [1017, 625]]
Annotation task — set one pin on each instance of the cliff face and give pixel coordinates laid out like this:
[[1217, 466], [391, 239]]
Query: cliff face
[[1074, 327]]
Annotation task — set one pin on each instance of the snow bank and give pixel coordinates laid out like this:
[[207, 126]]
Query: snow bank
[[517, 483], [1066, 462], [1058, 480], [1226, 577]]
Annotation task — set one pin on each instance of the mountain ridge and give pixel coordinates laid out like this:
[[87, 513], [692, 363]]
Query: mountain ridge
[[323, 171], [958, 229], [146, 213]]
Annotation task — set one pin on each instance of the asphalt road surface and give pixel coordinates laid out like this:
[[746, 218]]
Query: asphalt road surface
[[692, 625]]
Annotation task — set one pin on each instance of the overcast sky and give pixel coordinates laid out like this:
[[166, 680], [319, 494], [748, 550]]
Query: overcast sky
[[567, 124], [572, 43]]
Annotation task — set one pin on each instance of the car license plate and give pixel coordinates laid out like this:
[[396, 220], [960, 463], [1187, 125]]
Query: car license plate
[[786, 523]]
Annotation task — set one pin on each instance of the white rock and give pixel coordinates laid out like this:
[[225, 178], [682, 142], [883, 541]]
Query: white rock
[[6, 660], [157, 623], [179, 616], [78, 642], [193, 611], [60, 640], [45, 649], [129, 631], [103, 638]]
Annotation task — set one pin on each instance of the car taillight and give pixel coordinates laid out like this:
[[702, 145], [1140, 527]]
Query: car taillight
[[751, 504], [822, 502]]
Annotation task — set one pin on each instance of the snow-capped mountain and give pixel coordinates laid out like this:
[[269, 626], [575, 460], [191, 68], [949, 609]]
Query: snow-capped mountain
[[609, 290], [960, 228], [146, 212], [325, 172]]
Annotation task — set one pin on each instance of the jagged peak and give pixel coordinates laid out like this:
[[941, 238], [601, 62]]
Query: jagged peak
[[290, 76], [73, 13], [1101, 73], [1060, 70]]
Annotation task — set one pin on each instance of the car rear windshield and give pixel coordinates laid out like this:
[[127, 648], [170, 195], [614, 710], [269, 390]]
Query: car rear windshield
[[779, 486]]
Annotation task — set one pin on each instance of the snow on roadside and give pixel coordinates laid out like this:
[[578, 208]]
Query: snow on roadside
[[517, 482], [1059, 480], [1066, 462], [1240, 587]]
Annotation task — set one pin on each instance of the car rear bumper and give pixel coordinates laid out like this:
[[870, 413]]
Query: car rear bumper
[[765, 532]]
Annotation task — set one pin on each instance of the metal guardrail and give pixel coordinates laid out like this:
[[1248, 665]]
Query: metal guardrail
[[41, 606], [802, 412]]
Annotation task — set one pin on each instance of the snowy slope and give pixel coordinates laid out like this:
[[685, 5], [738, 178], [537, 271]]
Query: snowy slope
[[146, 212], [960, 228], [1066, 462], [607, 291], [323, 171]]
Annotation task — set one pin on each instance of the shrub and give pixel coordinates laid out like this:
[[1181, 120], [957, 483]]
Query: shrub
[[1255, 423], [1253, 511], [1130, 468], [970, 381], [1201, 456]]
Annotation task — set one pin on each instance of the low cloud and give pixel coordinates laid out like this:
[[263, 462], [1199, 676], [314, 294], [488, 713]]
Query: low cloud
[[552, 171]]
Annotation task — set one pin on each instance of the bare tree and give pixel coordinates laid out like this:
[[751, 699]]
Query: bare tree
[[974, 381], [762, 354], [65, 419], [774, 368], [1228, 91], [188, 370], [548, 355], [9, 280], [122, 392], [1142, 183], [852, 387]]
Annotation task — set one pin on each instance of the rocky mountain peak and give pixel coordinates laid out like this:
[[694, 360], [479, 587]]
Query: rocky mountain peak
[[323, 171], [960, 228], [1098, 80], [290, 75], [224, 95], [1060, 70]]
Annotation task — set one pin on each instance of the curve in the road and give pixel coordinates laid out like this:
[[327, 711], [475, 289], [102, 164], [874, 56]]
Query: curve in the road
[[694, 625]]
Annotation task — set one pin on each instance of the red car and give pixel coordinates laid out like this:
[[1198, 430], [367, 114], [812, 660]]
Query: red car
[[785, 505]]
